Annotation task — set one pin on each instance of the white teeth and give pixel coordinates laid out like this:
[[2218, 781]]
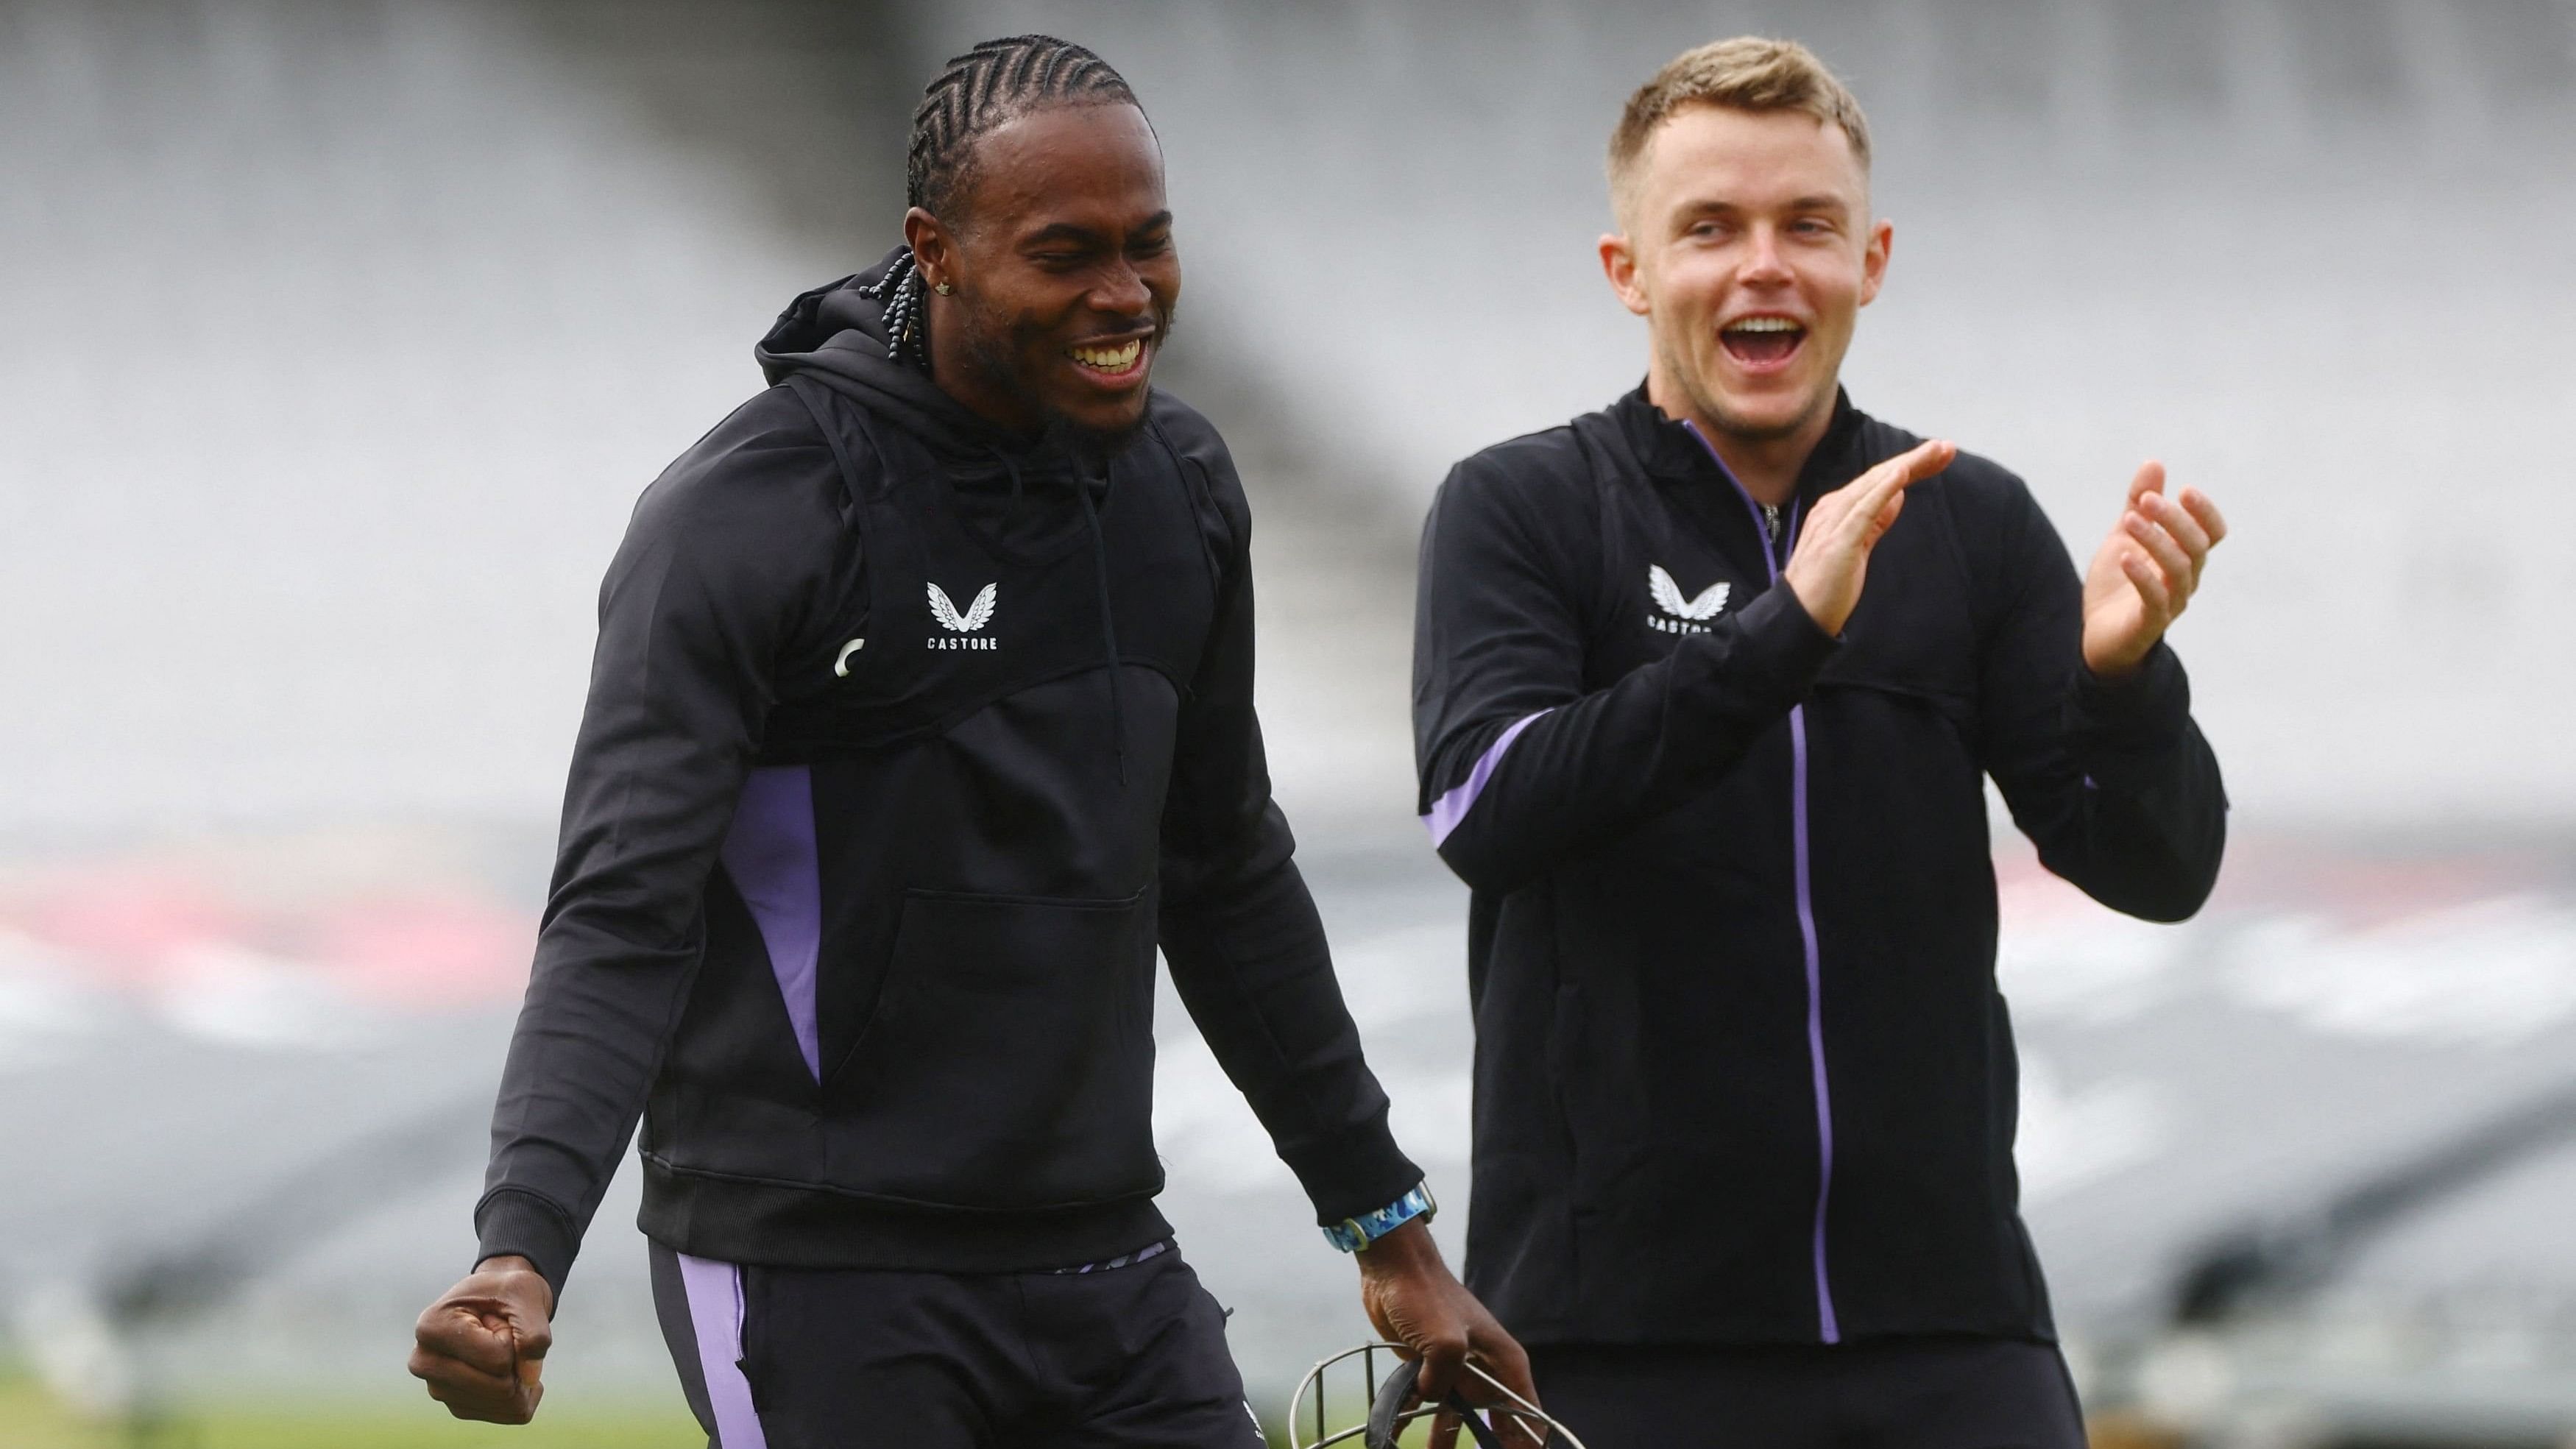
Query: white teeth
[[1763, 324], [1108, 359]]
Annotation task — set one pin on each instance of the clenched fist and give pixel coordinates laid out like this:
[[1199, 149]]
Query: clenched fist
[[481, 1346]]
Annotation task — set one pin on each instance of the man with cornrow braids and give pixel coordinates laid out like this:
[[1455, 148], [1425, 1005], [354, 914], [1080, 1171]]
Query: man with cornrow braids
[[921, 715]]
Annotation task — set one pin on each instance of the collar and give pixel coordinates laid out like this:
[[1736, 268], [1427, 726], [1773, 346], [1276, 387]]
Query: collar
[[1672, 455]]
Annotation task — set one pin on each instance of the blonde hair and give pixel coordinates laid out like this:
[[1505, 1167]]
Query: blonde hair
[[1747, 73]]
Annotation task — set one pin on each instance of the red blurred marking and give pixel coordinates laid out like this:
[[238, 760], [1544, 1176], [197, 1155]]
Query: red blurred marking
[[2354, 889], [130, 928], [424, 952], [122, 924]]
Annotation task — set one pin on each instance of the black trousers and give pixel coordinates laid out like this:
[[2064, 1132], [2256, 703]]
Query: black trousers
[[1906, 1393], [788, 1358]]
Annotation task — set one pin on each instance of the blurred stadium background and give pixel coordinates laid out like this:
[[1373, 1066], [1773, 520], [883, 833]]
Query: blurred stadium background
[[342, 333]]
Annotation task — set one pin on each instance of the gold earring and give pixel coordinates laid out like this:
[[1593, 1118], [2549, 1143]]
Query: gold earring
[[941, 288]]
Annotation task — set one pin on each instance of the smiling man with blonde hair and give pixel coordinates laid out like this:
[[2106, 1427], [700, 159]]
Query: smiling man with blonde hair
[[1706, 689]]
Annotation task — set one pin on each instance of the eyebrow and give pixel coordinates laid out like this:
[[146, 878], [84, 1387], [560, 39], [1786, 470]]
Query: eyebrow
[[1821, 201], [1063, 231]]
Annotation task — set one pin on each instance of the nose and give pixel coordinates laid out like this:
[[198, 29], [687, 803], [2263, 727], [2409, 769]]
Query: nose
[[1121, 290], [1764, 262]]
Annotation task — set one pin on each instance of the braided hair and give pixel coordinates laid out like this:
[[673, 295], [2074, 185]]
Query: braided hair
[[997, 82]]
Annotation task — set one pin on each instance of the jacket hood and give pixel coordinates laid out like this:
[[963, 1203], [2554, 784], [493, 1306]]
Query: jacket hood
[[1026, 495], [835, 334]]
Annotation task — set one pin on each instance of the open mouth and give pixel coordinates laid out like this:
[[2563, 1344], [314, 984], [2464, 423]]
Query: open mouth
[[1761, 341], [1110, 361]]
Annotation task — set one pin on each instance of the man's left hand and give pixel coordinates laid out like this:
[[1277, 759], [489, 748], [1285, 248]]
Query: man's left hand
[[1413, 1301], [2146, 571]]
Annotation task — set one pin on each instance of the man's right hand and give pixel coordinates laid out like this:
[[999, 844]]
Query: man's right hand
[[482, 1344], [1832, 557]]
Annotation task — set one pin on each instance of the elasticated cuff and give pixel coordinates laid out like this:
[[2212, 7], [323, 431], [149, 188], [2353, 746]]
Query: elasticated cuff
[[1781, 644], [511, 1221], [1360, 1172], [2143, 711]]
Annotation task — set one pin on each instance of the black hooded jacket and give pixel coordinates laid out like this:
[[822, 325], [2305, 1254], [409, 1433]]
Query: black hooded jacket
[[908, 741], [1742, 1070]]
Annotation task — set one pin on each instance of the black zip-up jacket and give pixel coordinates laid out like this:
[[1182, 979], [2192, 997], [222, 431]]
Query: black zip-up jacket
[[1742, 1071], [907, 742]]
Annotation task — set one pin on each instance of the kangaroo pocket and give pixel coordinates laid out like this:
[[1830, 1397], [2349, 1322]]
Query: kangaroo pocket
[[1010, 1062]]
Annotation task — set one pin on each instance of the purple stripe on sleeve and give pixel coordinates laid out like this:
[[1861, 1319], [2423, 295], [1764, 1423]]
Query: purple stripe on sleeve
[[1452, 808], [715, 1313], [769, 853]]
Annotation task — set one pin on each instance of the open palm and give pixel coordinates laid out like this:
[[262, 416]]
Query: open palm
[[2146, 571]]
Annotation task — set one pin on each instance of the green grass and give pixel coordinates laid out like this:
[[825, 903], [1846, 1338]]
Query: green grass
[[32, 1419]]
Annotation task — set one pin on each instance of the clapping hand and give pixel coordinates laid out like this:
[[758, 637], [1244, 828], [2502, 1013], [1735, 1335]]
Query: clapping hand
[[1831, 560], [2146, 571]]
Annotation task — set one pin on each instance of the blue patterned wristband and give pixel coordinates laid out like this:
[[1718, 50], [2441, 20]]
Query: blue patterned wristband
[[1352, 1234]]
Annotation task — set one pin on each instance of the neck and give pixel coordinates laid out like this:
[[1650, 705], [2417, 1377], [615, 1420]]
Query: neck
[[1767, 464], [954, 369]]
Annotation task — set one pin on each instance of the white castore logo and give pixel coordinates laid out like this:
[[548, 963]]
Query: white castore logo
[[977, 615], [1682, 615]]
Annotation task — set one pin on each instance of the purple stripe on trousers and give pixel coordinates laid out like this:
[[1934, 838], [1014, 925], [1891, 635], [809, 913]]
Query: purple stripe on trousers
[[1452, 808], [1828, 1327], [769, 853], [715, 1314]]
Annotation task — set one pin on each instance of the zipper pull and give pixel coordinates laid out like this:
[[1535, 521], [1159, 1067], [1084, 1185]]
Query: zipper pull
[[1771, 522]]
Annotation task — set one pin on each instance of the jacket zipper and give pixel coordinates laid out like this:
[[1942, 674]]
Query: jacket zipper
[[1767, 517]]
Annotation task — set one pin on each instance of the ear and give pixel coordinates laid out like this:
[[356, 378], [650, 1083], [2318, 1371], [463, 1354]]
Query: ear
[[1619, 264], [1873, 261], [934, 247]]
